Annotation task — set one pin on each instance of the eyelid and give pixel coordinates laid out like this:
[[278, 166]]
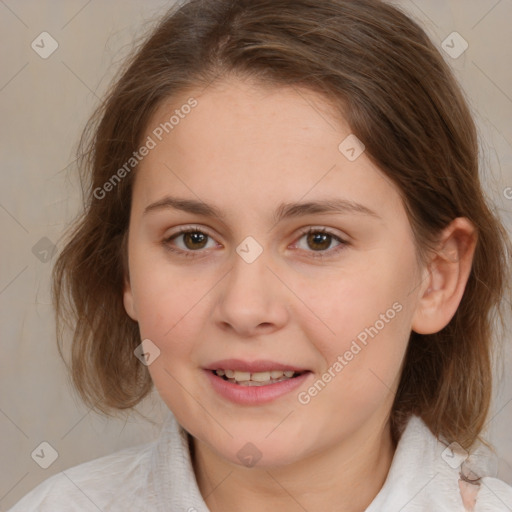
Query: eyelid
[[188, 229], [321, 229]]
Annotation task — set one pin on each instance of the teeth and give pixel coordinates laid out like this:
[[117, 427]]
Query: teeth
[[256, 378], [240, 376], [260, 376]]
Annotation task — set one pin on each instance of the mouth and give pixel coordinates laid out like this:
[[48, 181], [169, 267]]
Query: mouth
[[254, 383], [244, 378]]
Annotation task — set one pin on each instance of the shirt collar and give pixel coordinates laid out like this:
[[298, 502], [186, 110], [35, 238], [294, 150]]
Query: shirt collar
[[421, 473]]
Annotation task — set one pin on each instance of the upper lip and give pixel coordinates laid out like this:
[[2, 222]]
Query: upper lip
[[252, 366]]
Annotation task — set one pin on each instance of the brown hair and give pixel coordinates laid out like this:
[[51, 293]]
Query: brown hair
[[385, 77]]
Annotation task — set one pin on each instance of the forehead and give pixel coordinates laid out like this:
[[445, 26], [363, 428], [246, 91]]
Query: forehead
[[241, 141], [234, 118]]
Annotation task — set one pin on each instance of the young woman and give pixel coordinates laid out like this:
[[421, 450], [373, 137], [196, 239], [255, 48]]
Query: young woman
[[286, 235]]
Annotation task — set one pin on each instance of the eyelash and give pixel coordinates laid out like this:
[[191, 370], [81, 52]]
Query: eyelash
[[314, 254]]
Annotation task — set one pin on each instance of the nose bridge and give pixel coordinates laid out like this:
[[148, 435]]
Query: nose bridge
[[250, 296], [249, 278], [250, 264]]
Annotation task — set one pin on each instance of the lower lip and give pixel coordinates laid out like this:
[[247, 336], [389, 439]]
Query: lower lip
[[254, 395]]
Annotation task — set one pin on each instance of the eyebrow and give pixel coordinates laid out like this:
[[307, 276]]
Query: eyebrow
[[283, 211]]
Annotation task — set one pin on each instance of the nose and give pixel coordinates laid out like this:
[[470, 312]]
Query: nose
[[251, 300]]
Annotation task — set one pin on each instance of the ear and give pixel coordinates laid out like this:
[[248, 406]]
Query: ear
[[128, 300], [446, 277]]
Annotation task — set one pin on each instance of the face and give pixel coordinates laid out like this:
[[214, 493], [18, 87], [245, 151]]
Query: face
[[246, 288]]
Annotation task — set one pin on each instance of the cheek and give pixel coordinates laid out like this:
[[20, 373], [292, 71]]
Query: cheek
[[165, 294], [169, 306], [366, 321], [367, 295]]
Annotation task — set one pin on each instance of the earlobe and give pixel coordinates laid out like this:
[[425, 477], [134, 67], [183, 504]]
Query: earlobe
[[128, 301], [446, 278]]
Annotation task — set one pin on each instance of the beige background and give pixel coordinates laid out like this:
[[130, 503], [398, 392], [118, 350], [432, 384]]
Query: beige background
[[44, 104]]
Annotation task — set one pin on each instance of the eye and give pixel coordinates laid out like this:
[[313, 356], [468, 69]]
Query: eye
[[320, 239], [192, 240]]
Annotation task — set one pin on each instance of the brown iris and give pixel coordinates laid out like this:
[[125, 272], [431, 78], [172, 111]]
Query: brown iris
[[317, 238], [197, 239]]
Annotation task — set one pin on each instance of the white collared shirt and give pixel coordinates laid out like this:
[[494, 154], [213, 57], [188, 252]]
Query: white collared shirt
[[159, 477]]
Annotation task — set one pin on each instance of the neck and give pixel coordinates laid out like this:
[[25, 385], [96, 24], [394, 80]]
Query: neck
[[344, 478]]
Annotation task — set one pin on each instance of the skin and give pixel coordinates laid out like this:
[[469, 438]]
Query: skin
[[245, 149]]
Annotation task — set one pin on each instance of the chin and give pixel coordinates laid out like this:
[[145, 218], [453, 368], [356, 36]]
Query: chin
[[258, 452]]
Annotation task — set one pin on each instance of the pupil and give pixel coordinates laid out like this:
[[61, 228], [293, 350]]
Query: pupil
[[318, 238], [195, 237]]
